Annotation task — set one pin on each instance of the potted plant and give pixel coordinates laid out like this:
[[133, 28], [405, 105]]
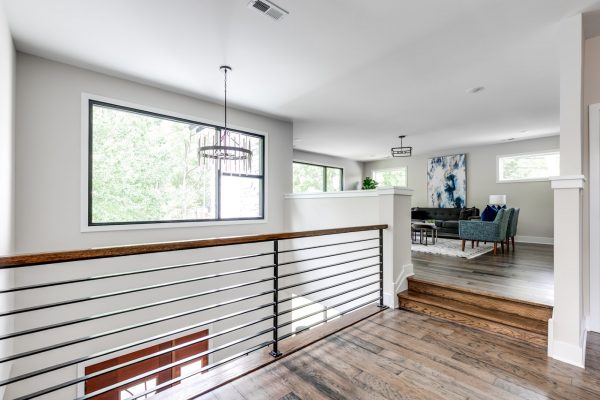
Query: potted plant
[[369, 183]]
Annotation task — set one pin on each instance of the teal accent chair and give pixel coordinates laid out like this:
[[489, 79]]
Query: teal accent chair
[[511, 230], [485, 231]]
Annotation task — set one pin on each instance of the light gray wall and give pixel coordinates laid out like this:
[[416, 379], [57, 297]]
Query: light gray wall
[[7, 100], [48, 156], [7, 135], [353, 170], [535, 199]]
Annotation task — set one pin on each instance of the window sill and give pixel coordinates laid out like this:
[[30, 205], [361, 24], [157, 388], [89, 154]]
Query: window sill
[[524, 180], [168, 225]]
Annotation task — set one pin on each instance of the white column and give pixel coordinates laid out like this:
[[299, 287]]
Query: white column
[[566, 341], [566, 330], [394, 210]]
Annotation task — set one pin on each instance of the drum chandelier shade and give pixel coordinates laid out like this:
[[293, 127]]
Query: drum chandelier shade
[[229, 151]]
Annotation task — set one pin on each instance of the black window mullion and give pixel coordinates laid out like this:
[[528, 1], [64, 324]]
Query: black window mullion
[[324, 179]]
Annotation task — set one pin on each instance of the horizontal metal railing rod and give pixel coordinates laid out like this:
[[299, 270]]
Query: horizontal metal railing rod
[[325, 309], [153, 355], [329, 287], [135, 290], [124, 329], [173, 364], [23, 260], [329, 297], [80, 360], [304, 328], [328, 255], [326, 245], [132, 309], [328, 276], [327, 266], [199, 371], [135, 272]]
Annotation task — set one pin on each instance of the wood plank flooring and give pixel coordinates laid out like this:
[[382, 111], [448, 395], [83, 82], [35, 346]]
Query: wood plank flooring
[[402, 355], [525, 274]]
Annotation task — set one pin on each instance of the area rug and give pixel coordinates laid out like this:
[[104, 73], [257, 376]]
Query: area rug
[[451, 247]]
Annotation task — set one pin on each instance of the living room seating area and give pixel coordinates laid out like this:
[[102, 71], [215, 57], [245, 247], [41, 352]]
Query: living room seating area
[[446, 220]]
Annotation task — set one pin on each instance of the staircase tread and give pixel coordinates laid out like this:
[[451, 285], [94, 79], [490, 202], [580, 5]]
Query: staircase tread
[[478, 292], [501, 317], [533, 338], [490, 303]]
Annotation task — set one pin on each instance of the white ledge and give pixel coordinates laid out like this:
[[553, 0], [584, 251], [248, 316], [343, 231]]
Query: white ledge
[[386, 190], [567, 182]]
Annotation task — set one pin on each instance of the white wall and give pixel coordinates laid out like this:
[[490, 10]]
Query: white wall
[[534, 198], [48, 154], [7, 94], [353, 170], [591, 95], [7, 111]]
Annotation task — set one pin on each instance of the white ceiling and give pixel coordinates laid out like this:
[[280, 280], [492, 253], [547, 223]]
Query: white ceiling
[[351, 74]]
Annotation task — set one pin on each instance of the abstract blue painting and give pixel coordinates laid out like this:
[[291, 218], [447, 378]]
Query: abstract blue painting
[[447, 181]]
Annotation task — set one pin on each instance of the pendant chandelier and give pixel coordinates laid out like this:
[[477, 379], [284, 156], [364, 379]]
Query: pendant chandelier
[[402, 151], [228, 151]]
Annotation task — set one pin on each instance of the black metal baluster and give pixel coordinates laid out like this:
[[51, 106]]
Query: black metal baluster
[[381, 268], [275, 352]]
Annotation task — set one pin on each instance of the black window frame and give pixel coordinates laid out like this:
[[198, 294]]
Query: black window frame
[[325, 167], [218, 172]]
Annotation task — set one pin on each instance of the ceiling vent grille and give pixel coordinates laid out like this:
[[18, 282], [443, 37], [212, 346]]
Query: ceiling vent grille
[[270, 9]]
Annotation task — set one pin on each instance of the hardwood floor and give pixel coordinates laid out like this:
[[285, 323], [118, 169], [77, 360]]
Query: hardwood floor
[[402, 355], [525, 274]]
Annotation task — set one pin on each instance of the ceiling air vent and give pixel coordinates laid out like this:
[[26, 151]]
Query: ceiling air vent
[[268, 8]]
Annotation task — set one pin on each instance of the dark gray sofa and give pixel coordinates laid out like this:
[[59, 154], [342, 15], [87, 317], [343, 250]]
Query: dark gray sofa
[[446, 219]]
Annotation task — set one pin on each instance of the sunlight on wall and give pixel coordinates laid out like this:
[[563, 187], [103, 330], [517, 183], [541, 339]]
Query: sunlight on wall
[[298, 301]]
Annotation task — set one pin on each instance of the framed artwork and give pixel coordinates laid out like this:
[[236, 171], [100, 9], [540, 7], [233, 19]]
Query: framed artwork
[[447, 181]]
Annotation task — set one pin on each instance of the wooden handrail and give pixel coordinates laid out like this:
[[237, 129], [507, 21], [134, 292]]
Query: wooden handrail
[[22, 260]]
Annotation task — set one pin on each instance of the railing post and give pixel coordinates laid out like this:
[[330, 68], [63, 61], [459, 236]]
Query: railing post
[[381, 269], [275, 352]]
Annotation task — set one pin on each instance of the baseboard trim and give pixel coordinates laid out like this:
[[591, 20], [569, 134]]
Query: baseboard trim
[[534, 239], [566, 352], [400, 285]]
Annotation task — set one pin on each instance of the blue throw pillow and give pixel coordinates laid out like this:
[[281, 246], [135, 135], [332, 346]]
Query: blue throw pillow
[[489, 214]]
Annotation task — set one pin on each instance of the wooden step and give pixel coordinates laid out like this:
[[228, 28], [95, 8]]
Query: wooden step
[[479, 323], [517, 319], [540, 312], [501, 317]]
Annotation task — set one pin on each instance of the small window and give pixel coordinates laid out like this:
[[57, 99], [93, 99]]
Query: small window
[[528, 167], [144, 168], [311, 178], [391, 177]]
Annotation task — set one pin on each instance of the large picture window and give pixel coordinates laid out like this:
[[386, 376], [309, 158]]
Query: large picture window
[[144, 168], [528, 167], [311, 178]]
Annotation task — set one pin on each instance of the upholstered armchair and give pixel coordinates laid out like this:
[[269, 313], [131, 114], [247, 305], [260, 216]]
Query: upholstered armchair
[[511, 230], [495, 231]]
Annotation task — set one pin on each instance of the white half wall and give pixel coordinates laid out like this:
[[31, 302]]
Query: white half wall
[[390, 206]]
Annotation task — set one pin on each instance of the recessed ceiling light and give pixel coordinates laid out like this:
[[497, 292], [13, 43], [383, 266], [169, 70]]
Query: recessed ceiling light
[[475, 89]]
